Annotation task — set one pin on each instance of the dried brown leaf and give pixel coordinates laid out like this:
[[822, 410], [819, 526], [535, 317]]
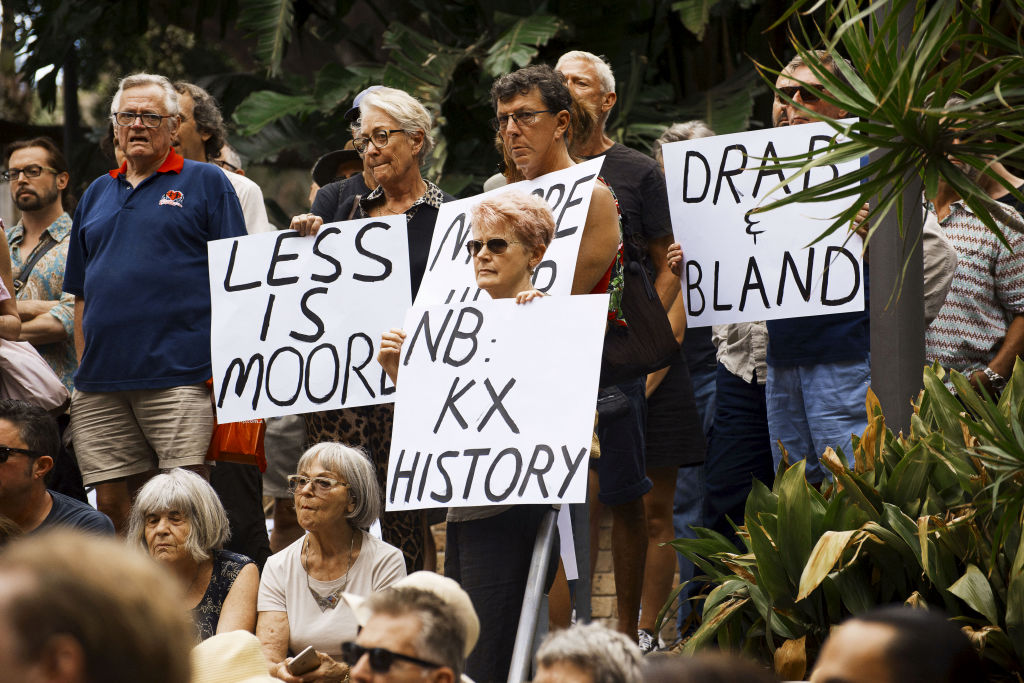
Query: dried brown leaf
[[791, 659]]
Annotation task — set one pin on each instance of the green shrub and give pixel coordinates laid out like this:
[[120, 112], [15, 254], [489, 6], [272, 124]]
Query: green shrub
[[930, 519]]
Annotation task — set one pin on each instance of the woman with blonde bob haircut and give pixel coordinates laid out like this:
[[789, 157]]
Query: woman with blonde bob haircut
[[488, 549], [337, 499], [179, 520]]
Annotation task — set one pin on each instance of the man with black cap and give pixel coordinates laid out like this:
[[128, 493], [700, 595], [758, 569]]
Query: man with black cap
[[339, 194]]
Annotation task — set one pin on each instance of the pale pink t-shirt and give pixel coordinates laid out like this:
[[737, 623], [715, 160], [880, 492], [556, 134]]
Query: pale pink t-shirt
[[283, 588]]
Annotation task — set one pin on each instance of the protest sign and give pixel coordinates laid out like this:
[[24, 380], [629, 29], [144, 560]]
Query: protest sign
[[297, 321], [496, 404], [449, 275], [742, 266]]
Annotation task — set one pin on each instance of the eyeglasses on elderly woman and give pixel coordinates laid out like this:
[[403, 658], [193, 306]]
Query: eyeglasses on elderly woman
[[379, 138], [321, 485]]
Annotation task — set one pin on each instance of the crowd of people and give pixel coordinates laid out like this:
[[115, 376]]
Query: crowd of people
[[115, 301]]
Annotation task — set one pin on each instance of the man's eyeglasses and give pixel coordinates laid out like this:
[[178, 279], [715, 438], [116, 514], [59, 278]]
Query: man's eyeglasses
[[149, 119], [321, 485], [380, 658], [520, 118], [226, 165], [808, 94], [495, 245], [378, 138], [7, 451], [33, 171]]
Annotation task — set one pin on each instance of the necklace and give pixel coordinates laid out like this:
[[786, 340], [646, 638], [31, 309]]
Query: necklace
[[329, 601]]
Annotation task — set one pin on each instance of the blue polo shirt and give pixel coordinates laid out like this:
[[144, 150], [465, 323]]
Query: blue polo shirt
[[137, 256]]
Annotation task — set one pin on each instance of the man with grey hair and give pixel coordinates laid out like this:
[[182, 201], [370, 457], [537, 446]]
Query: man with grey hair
[[411, 633], [137, 266], [639, 187], [588, 653]]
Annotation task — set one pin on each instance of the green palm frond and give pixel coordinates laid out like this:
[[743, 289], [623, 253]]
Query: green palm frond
[[272, 21]]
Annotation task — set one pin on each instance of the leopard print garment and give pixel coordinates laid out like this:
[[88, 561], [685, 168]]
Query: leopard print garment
[[370, 428]]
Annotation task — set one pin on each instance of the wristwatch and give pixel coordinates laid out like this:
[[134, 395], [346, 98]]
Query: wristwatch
[[998, 381]]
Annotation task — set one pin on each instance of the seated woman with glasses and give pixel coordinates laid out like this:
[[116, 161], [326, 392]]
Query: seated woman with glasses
[[337, 498], [179, 520]]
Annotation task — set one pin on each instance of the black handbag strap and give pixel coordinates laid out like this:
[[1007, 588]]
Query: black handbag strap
[[40, 251]]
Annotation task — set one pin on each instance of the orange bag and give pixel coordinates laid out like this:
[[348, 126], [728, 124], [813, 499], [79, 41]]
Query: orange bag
[[240, 442]]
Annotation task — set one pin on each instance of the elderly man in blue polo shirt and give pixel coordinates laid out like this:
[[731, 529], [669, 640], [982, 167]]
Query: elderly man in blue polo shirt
[[137, 266]]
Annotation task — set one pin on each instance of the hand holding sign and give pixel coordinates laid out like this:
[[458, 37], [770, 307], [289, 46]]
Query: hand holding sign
[[495, 406], [743, 265], [279, 343]]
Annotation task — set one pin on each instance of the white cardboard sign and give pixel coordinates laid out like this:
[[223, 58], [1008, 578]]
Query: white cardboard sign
[[449, 274], [742, 267], [296, 321], [497, 403]]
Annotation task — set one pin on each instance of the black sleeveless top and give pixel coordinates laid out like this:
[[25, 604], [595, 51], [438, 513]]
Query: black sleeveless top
[[206, 614]]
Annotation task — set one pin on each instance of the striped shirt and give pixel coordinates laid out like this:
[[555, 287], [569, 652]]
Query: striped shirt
[[986, 293]]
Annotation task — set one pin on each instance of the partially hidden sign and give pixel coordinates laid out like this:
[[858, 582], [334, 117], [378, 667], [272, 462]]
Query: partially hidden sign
[[741, 266], [296, 321], [496, 403], [449, 274]]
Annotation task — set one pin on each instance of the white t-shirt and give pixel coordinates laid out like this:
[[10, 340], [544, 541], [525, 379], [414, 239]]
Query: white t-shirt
[[283, 588], [250, 196]]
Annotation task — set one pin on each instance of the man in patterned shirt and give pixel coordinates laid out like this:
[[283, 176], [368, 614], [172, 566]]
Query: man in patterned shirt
[[980, 329], [38, 176]]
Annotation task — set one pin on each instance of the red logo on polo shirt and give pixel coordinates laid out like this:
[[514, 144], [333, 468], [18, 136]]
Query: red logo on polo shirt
[[172, 198]]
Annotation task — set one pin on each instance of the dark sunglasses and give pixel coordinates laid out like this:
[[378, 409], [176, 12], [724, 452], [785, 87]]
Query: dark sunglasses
[[380, 658], [495, 245], [8, 451], [808, 95]]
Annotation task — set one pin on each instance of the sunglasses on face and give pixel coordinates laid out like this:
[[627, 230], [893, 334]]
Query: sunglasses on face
[[808, 94], [495, 245], [7, 451], [380, 658]]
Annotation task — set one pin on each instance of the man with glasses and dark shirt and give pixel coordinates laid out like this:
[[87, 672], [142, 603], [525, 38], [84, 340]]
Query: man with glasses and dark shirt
[[137, 265], [29, 444]]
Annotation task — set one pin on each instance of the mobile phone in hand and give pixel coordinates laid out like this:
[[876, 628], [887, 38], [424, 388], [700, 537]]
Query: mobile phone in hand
[[304, 662]]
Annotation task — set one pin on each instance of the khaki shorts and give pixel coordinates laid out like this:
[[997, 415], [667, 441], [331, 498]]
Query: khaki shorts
[[120, 433]]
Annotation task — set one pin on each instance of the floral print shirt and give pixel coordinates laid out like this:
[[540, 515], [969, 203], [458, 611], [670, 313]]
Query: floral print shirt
[[45, 283]]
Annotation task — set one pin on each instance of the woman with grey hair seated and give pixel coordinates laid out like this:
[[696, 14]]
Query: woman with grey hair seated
[[337, 499], [393, 137], [179, 520]]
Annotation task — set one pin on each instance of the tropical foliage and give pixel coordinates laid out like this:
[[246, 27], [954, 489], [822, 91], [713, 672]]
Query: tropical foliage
[[906, 59], [285, 71], [931, 519]]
